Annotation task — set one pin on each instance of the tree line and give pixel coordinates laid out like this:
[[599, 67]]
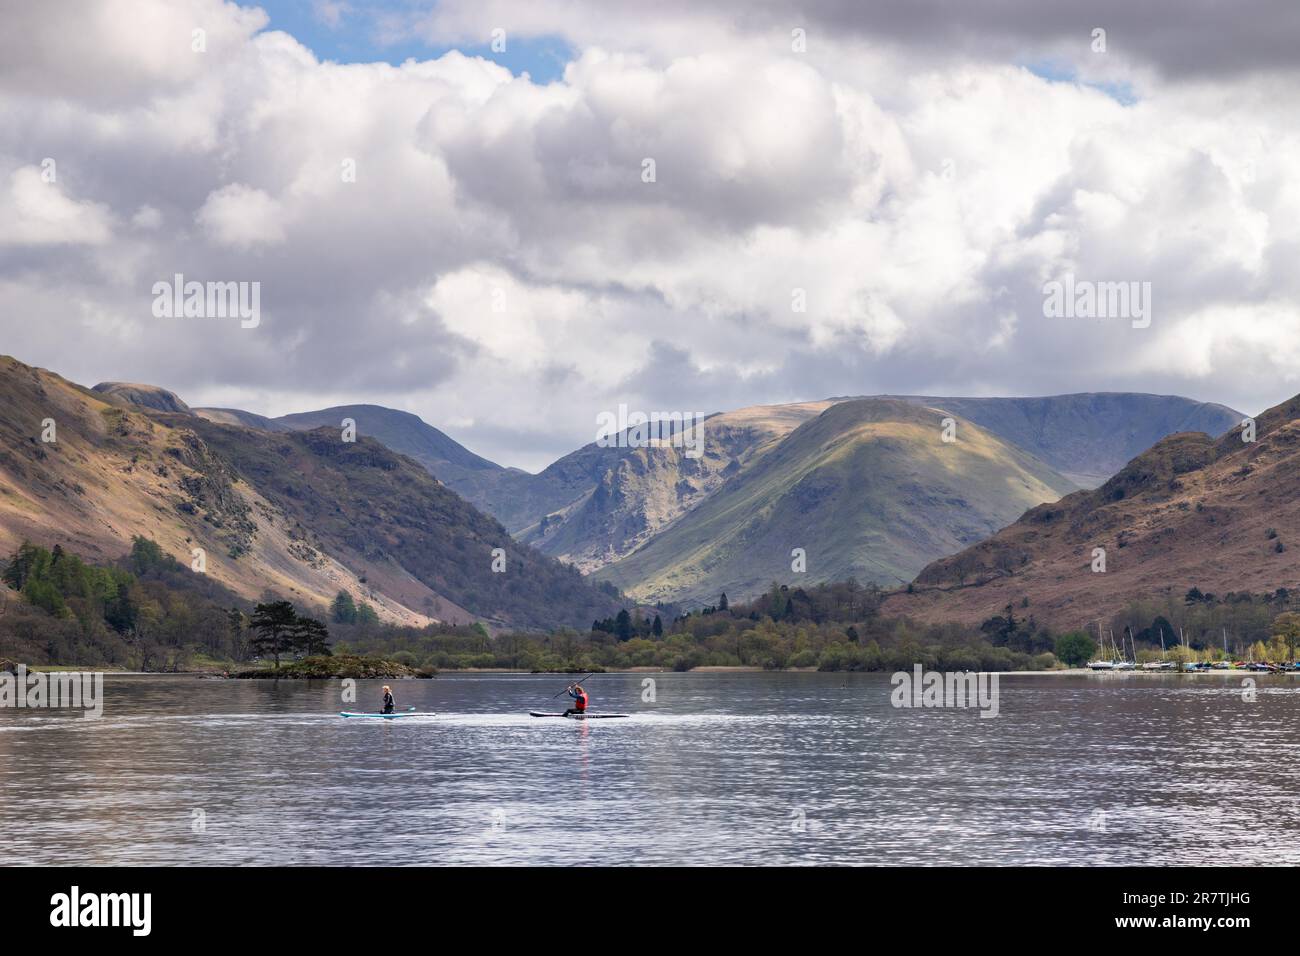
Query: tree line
[[145, 611]]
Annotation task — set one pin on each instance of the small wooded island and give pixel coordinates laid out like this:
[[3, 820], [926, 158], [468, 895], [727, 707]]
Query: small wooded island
[[329, 667]]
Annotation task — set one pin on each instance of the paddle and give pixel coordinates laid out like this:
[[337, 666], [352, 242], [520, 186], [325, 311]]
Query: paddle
[[566, 690]]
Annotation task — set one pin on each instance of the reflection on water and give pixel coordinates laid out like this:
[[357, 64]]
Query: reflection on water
[[721, 769]]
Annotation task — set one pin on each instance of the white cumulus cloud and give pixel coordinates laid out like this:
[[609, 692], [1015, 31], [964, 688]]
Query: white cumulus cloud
[[907, 173]]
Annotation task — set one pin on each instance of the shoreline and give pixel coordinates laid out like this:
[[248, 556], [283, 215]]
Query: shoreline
[[644, 669]]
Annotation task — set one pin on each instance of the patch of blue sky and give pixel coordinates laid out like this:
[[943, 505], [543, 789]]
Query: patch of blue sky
[[371, 31], [1061, 71]]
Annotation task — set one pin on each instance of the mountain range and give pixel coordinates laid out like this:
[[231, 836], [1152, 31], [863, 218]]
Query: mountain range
[[666, 526], [948, 493]]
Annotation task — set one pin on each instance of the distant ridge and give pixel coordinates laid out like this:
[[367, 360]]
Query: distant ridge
[[403, 432], [146, 396], [1088, 436], [234, 416]]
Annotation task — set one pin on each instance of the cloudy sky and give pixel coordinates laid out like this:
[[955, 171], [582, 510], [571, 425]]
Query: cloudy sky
[[498, 264]]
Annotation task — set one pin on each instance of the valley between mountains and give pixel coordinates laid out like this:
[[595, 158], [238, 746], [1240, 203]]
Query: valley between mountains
[[866, 488]]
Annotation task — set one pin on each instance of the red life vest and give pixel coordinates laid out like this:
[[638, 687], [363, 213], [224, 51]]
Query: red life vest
[[580, 702]]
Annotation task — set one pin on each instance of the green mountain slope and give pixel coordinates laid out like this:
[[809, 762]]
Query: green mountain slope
[[868, 489]]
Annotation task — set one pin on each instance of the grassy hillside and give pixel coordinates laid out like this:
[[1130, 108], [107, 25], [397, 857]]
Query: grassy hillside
[[868, 489]]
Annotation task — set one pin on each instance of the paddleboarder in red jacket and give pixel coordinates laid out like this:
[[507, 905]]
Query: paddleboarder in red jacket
[[579, 700]]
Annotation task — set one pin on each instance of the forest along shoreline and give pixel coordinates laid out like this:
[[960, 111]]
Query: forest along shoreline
[[145, 612]]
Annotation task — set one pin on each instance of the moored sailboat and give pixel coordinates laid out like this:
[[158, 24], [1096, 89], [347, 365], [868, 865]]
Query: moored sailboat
[[1123, 664], [1100, 663]]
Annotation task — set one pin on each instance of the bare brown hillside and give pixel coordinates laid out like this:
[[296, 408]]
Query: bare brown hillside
[[1193, 511], [302, 514]]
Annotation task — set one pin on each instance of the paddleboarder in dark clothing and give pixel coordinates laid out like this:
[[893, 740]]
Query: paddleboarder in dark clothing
[[579, 700], [388, 700]]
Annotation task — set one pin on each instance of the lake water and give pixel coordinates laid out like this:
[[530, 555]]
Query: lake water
[[723, 768]]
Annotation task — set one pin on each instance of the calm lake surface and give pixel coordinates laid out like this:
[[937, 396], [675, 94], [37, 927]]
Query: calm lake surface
[[724, 768]]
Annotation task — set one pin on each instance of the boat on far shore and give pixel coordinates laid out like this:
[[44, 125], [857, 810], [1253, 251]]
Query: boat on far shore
[[1119, 658]]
